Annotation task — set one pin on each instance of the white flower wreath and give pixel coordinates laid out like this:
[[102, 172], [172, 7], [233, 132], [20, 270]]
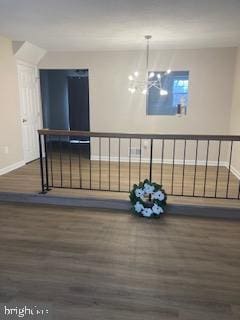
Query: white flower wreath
[[155, 195]]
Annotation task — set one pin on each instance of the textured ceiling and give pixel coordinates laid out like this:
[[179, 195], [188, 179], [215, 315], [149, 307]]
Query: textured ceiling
[[121, 24]]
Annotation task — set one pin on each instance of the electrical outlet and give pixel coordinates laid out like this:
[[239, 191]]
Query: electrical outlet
[[134, 151]]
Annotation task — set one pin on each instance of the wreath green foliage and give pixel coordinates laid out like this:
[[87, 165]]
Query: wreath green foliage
[[143, 200]]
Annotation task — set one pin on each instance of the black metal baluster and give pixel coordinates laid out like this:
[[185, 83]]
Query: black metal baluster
[[140, 160], [90, 167], [151, 166], [100, 164], [79, 166], [206, 167], [195, 169], [109, 164], [119, 164], [70, 162], [217, 173], [51, 160], [184, 163], [174, 146], [41, 164], [129, 163], [46, 161], [60, 156], [151, 160], [163, 141], [229, 168]]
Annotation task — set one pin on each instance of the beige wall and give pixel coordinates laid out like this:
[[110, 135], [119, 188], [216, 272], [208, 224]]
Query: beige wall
[[113, 108], [235, 112], [10, 132], [235, 115]]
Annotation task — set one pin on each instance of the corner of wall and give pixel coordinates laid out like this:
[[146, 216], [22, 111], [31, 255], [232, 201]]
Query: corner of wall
[[234, 125], [11, 153]]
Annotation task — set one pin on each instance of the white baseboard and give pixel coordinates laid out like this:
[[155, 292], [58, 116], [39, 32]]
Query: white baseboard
[[225, 164], [12, 167], [165, 161], [235, 172]]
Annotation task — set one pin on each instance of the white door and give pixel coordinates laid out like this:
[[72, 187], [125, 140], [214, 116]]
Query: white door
[[30, 107]]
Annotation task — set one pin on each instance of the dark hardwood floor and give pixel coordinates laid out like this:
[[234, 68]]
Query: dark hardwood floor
[[91, 264]]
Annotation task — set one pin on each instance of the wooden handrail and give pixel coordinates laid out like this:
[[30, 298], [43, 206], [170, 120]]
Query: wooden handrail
[[47, 132]]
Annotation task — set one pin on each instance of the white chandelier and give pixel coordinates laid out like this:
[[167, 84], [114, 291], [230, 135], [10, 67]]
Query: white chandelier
[[149, 80]]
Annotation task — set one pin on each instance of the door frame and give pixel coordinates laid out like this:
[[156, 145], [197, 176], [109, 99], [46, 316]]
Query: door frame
[[39, 101]]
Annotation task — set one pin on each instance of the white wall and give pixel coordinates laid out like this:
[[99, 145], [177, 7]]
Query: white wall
[[11, 154], [235, 116], [235, 111]]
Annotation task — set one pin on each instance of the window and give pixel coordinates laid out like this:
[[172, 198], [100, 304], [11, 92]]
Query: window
[[176, 83]]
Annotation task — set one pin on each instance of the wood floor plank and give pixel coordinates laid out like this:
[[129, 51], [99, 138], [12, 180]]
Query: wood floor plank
[[91, 264]]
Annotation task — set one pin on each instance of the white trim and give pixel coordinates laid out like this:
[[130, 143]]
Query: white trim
[[12, 167], [235, 172], [165, 161], [26, 64]]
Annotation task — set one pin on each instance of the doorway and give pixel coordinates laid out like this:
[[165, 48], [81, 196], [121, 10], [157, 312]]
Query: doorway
[[65, 104], [78, 103]]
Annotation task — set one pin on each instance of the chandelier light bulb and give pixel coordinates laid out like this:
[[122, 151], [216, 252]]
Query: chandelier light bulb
[[130, 77], [158, 76], [151, 75], [136, 73], [163, 92], [144, 91], [169, 71], [132, 90]]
